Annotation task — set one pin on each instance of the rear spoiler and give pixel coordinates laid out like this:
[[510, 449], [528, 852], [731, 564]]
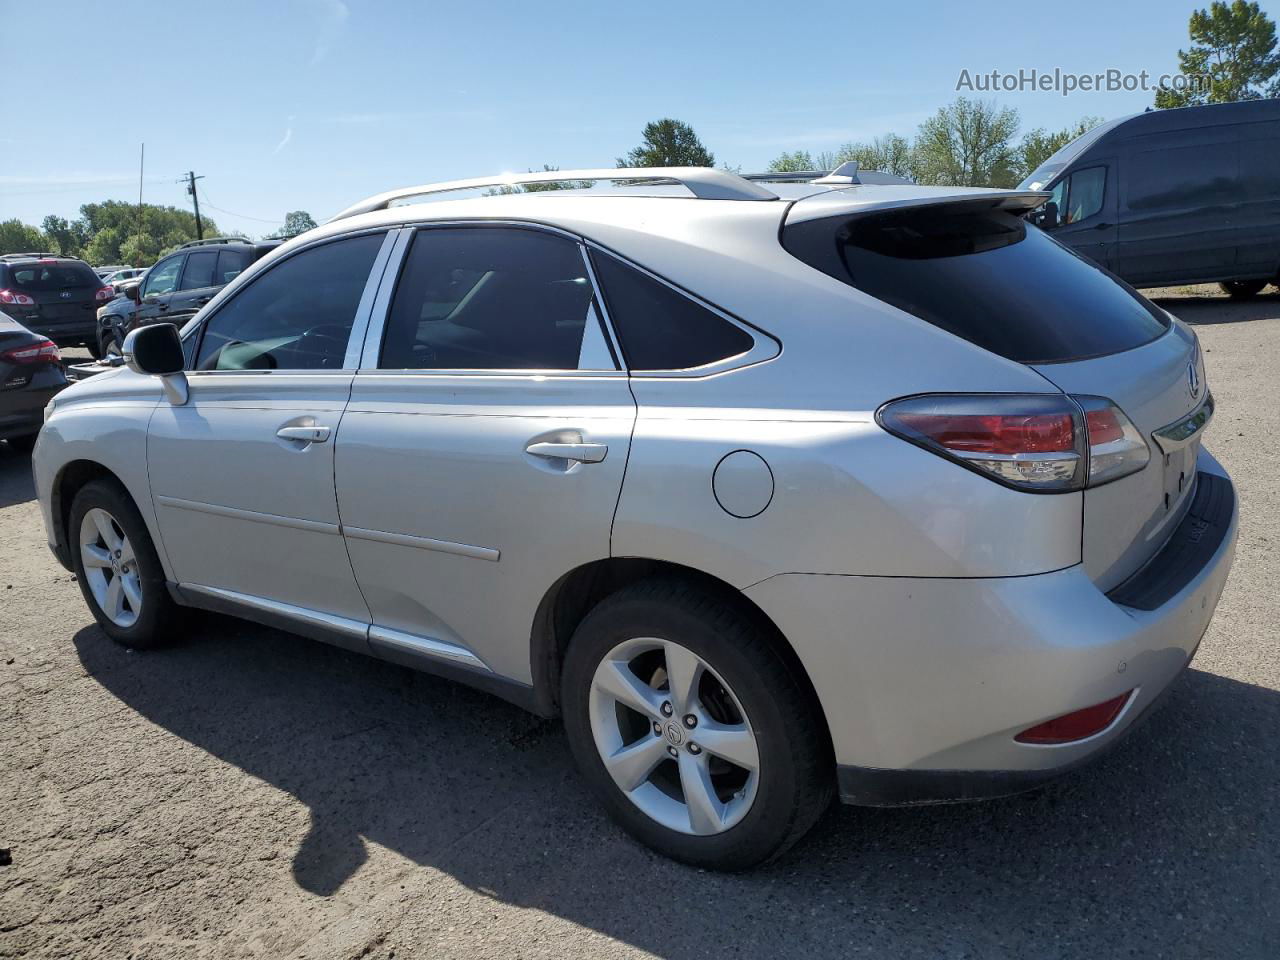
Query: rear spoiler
[[854, 202]]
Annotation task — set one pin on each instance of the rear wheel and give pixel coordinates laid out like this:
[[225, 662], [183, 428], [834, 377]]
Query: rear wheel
[[692, 728], [1242, 289], [94, 347], [117, 567]]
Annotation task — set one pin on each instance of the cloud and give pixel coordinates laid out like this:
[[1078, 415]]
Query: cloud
[[284, 141], [332, 15]]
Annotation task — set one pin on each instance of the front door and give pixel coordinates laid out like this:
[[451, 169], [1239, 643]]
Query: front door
[[1086, 204], [156, 291], [482, 452], [242, 474]]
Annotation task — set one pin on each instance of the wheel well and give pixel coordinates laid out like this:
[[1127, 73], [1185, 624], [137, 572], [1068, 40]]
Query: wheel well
[[575, 594], [71, 479]]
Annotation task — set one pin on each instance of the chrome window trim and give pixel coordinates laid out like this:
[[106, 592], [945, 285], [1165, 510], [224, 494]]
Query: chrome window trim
[[382, 309], [220, 303], [764, 347]]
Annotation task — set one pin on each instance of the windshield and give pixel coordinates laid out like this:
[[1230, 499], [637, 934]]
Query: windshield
[[1043, 175]]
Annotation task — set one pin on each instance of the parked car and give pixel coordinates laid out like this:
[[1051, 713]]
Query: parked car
[[53, 296], [30, 374], [106, 271], [1190, 195], [176, 287], [118, 278], [771, 493]]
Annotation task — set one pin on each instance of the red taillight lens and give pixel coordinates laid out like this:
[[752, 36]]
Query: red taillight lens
[[1078, 725], [995, 433], [1028, 441], [14, 298], [105, 293], [43, 352], [1104, 426], [1116, 448]]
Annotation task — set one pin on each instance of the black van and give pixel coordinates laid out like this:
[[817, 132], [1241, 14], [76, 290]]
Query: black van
[[1190, 195]]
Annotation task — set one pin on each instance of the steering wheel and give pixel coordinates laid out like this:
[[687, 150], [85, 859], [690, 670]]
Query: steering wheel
[[328, 341]]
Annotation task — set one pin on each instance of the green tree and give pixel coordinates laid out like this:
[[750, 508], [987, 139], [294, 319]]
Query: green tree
[[797, 161], [1039, 145], [19, 237], [67, 237], [968, 143], [1235, 45], [888, 154], [668, 143], [296, 222], [153, 230]]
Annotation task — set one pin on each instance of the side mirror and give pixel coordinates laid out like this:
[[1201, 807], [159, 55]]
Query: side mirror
[[156, 350], [134, 292]]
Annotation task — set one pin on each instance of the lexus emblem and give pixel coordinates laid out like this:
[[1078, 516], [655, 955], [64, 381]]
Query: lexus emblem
[[1193, 379]]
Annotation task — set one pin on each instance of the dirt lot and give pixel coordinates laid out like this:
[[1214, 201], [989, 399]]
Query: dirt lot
[[246, 793]]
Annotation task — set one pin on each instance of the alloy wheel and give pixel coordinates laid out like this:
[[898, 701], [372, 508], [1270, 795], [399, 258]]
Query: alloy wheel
[[110, 568], [673, 736]]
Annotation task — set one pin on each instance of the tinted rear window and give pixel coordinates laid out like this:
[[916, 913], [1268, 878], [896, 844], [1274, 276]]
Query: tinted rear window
[[660, 328], [986, 276], [45, 277]]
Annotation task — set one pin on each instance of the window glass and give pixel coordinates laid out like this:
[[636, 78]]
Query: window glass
[[1183, 177], [984, 276], [1085, 199], [660, 328], [163, 277], [489, 298], [199, 270], [230, 265], [47, 277], [296, 316]]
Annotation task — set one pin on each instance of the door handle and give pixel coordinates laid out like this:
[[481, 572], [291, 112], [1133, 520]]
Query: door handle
[[580, 452], [304, 434], [1102, 226]]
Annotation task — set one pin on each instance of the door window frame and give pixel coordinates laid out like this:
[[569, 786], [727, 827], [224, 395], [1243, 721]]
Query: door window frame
[[355, 339], [177, 279], [765, 347]]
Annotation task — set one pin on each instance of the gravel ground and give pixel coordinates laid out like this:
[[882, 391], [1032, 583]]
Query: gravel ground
[[250, 794]]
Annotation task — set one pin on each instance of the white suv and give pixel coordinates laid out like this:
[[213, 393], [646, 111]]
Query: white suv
[[773, 491]]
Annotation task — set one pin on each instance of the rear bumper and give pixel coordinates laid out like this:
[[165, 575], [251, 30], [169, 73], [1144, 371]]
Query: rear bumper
[[926, 682], [22, 411]]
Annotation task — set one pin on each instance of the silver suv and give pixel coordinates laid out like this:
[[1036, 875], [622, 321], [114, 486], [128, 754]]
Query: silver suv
[[773, 491]]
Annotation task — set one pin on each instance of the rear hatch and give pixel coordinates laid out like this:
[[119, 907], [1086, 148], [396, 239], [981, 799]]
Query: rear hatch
[[64, 292], [971, 266]]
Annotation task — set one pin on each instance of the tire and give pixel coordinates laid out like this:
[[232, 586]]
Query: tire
[[793, 781], [95, 347], [155, 617], [23, 444], [1242, 289]]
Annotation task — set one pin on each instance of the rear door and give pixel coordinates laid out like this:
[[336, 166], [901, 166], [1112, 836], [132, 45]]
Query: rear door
[[196, 286], [482, 453]]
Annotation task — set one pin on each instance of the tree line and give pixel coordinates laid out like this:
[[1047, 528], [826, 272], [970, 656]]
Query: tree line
[[968, 142]]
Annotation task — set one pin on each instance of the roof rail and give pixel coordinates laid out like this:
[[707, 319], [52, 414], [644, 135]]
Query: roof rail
[[208, 240], [32, 255], [706, 183]]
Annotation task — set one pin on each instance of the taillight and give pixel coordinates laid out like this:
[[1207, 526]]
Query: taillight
[[46, 351], [1116, 448], [1049, 443], [14, 298], [104, 293], [1078, 725]]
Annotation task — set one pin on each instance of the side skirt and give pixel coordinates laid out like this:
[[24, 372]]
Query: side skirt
[[424, 654]]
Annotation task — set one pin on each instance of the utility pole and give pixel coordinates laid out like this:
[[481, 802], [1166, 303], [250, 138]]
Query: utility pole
[[190, 180]]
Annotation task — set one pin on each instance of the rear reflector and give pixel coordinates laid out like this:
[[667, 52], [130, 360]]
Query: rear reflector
[[1076, 726]]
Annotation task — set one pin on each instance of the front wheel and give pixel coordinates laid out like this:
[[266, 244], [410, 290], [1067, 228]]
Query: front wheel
[[1242, 289], [117, 567], [692, 728]]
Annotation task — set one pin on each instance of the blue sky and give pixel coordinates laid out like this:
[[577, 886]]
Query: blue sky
[[313, 104]]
